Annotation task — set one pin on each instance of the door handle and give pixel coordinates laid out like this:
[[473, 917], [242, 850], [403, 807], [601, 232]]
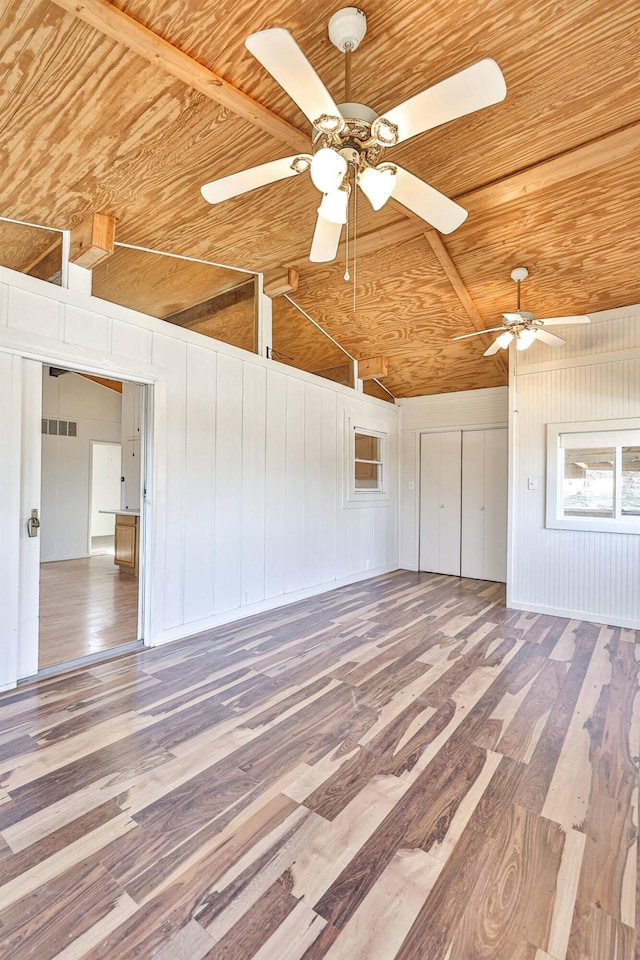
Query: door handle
[[33, 524]]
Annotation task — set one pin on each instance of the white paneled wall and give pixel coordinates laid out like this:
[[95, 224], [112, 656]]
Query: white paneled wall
[[246, 500], [582, 574], [466, 409]]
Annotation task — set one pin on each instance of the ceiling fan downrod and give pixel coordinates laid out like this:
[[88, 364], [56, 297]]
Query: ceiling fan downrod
[[347, 28]]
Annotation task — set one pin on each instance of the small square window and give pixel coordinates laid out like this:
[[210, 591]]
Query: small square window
[[368, 462]]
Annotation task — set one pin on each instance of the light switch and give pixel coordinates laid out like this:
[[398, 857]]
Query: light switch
[[533, 484], [412, 485]]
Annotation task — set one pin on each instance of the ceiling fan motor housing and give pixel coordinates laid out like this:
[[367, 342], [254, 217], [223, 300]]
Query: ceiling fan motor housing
[[347, 27]]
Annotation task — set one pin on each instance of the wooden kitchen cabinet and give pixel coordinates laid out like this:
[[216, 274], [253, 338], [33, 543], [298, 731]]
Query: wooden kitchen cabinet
[[127, 546]]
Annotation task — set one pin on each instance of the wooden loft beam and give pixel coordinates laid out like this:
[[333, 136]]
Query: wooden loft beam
[[393, 234], [372, 368], [279, 282], [92, 241], [48, 265], [119, 26], [451, 271], [199, 313], [342, 373]]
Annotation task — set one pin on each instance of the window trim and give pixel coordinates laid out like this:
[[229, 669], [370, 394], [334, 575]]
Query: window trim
[[366, 496], [555, 518]]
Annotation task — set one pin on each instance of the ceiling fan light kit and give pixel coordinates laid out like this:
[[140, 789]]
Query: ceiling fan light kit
[[334, 205], [328, 170], [349, 139], [523, 326]]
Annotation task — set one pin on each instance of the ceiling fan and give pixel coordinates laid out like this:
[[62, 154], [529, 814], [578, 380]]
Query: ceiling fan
[[523, 326], [349, 140]]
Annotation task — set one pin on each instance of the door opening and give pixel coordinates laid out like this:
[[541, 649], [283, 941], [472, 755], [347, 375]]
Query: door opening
[[92, 442]]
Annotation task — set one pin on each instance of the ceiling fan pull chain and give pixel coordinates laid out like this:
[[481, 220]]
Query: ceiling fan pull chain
[[355, 245], [346, 257]]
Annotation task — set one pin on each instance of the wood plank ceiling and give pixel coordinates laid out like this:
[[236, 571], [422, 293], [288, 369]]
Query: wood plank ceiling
[[550, 176]]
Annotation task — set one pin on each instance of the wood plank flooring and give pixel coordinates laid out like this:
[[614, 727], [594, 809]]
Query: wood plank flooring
[[398, 769], [86, 606]]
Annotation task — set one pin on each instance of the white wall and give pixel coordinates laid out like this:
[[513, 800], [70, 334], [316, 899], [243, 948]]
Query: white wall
[[596, 376], [246, 496], [66, 461], [447, 411], [106, 470]]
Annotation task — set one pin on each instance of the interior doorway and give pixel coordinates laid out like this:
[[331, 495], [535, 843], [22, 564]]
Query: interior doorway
[[90, 603]]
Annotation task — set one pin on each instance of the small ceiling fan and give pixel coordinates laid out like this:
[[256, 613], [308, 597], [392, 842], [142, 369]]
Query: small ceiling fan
[[523, 326], [349, 140]]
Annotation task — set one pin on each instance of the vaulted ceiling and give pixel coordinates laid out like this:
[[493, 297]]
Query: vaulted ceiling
[[98, 116]]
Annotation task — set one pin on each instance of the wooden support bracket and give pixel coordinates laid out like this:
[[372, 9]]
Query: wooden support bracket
[[372, 368], [93, 240], [279, 282]]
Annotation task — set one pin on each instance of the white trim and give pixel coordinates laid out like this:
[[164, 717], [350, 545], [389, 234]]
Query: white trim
[[182, 256], [586, 615], [585, 360], [367, 497]]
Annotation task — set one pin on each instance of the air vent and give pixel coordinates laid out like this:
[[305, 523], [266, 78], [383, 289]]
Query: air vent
[[60, 428]]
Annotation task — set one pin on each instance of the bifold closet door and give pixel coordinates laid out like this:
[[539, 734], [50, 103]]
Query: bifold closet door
[[440, 502], [484, 504]]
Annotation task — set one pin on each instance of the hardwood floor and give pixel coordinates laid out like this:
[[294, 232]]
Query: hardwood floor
[[397, 769], [86, 606]]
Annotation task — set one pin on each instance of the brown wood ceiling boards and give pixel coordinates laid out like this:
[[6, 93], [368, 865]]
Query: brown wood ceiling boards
[[88, 125]]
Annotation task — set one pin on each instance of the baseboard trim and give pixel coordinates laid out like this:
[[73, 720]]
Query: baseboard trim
[[588, 615], [263, 606]]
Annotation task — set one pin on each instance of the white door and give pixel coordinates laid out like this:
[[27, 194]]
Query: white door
[[20, 427], [440, 502], [484, 504]]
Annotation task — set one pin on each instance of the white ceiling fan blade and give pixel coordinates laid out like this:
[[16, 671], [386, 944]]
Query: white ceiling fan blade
[[564, 321], [279, 53], [480, 85], [246, 180], [489, 352], [326, 238], [427, 202], [477, 333], [550, 338]]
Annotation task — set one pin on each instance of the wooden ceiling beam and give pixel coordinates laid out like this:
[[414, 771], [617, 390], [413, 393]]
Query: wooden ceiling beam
[[393, 234], [119, 26], [616, 147], [451, 272]]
